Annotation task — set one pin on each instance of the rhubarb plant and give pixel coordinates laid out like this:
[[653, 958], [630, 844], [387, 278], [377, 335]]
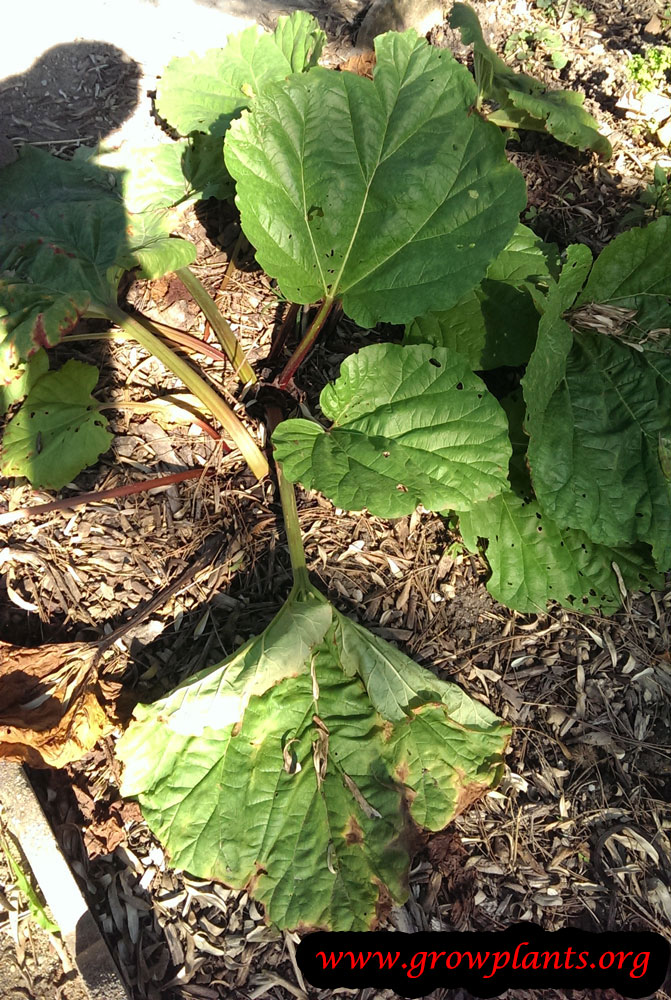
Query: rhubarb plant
[[300, 767]]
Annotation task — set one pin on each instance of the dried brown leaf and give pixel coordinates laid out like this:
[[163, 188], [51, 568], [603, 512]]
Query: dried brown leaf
[[362, 64], [51, 713]]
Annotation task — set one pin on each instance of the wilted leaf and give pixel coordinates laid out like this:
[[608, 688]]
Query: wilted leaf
[[58, 430], [410, 425], [384, 193], [326, 843], [523, 101], [50, 713]]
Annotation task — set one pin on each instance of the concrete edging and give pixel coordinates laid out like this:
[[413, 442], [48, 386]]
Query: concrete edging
[[78, 927]]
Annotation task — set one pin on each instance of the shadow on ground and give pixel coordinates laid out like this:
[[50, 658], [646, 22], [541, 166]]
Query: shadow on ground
[[73, 93]]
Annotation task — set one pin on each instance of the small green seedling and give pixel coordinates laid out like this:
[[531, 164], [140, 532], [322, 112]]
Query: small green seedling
[[652, 70], [653, 202], [525, 45], [582, 13]]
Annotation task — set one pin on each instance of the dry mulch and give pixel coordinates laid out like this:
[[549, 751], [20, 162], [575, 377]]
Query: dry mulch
[[577, 834]]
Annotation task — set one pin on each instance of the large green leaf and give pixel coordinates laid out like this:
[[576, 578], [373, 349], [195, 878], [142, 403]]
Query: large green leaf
[[633, 272], [598, 463], [495, 323], [58, 431], [523, 101], [295, 784], [411, 425], [533, 560], [384, 193], [65, 238], [204, 93]]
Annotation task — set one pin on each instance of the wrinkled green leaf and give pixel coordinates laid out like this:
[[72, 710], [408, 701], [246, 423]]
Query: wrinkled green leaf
[[634, 272], [495, 323], [596, 464], [299, 797], [386, 194], [534, 561], [66, 238], [560, 112], [26, 376], [411, 425], [525, 258], [58, 430], [205, 93], [523, 101]]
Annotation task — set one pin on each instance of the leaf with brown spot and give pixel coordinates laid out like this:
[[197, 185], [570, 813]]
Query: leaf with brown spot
[[329, 845], [352, 834], [33, 316], [402, 771]]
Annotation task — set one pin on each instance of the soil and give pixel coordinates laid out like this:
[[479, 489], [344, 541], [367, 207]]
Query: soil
[[195, 569]]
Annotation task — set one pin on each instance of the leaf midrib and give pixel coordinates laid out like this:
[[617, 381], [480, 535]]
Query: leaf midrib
[[336, 288]]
